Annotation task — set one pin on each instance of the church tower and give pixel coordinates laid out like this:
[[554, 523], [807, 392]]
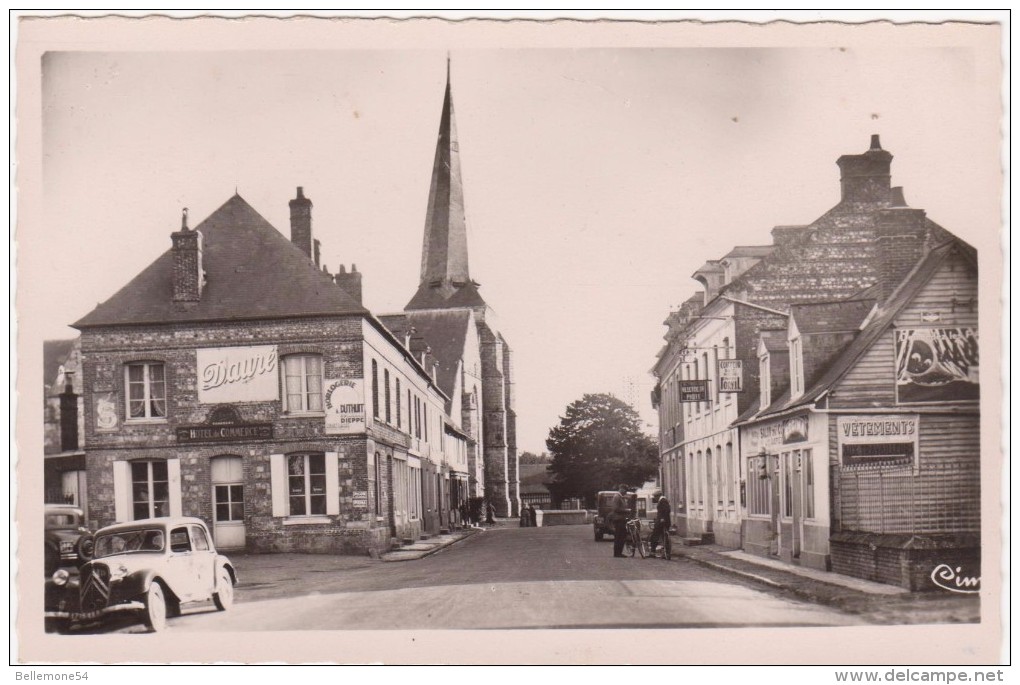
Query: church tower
[[445, 284]]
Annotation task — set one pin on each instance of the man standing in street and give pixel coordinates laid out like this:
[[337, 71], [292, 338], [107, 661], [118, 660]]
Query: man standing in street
[[620, 514], [662, 522]]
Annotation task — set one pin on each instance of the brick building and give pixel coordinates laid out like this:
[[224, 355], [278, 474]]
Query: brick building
[[777, 317], [236, 380], [64, 476]]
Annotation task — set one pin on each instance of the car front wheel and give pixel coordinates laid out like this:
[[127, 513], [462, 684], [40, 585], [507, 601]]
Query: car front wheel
[[155, 608], [224, 596]]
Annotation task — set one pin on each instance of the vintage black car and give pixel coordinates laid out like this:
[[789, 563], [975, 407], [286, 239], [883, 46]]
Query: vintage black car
[[68, 542], [147, 568]]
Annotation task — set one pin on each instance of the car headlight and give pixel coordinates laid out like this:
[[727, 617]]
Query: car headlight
[[118, 572], [60, 577]]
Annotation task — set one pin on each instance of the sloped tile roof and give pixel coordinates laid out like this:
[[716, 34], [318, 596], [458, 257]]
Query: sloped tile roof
[[444, 331], [252, 272], [831, 317]]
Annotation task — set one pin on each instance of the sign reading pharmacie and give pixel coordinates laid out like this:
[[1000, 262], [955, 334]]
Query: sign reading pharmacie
[[731, 375], [344, 402], [877, 440], [237, 374], [693, 391]]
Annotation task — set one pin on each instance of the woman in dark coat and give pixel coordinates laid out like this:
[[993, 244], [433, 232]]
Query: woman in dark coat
[[532, 515]]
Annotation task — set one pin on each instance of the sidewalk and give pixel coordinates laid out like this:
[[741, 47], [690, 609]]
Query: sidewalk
[[424, 548], [879, 602]]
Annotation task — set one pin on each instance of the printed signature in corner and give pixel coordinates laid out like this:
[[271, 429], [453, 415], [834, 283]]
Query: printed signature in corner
[[948, 578]]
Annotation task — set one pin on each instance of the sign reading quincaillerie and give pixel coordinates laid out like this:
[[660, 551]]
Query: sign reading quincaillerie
[[237, 374], [877, 440], [344, 400]]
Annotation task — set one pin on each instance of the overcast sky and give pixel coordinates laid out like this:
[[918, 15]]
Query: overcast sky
[[595, 181]]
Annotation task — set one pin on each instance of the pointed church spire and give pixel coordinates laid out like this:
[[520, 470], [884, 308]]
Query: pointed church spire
[[444, 257]]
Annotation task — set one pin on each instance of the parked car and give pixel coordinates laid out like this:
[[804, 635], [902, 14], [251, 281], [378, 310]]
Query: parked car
[[68, 541], [149, 568], [604, 507]]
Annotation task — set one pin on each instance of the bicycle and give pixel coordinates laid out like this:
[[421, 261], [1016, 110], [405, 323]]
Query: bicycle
[[633, 542], [665, 545]]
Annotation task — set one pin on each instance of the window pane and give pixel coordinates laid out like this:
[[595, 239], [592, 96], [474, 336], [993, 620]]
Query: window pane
[[313, 365], [157, 408], [297, 506], [201, 542], [161, 509], [297, 485], [296, 465], [315, 398], [161, 491], [317, 463], [236, 493], [159, 470], [136, 408], [222, 494], [222, 512], [141, 510], [319, 504], [318, 485], [136, 373], [139, 471], [237, 511]]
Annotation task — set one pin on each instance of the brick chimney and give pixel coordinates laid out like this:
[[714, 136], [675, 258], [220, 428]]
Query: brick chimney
[[316, 250], [301, 222], [901, 234], [188, 273], [865, 177], [350, 283], [68, 415]]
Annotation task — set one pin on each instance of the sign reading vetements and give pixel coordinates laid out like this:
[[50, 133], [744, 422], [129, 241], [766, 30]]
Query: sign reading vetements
[[694, 391], [731, 375], [877, 440]]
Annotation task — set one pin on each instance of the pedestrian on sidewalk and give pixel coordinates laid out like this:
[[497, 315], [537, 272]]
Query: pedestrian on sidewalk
[[532, 515], [490, 513], [525, 518]]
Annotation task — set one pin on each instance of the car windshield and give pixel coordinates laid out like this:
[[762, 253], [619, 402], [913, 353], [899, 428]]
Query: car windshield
[[61, 520], [128, 541]]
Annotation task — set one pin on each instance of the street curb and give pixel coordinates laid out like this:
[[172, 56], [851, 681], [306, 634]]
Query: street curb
[[430, 552], [738, 572]]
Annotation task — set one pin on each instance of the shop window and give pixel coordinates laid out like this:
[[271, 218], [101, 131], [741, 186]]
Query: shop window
[[306, 484], [788, 458], [809, 484], [303, 383], [150, 489], [145, 390], [757, 486]]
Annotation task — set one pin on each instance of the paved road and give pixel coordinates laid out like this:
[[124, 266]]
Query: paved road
[[555, 577]]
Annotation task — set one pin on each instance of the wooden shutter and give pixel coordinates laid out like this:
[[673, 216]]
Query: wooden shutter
[[278, 483], [173, 470], [122, 491], [332, 483]]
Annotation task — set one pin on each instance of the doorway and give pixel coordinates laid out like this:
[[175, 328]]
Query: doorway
[[228, 502]]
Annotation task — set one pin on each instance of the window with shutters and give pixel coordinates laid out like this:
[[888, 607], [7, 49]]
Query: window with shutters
[[306, 484], [150, 489]]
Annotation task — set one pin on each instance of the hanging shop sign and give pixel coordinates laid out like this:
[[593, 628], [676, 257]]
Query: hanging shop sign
[[344, 401], [731, 375], [877, 440], [693, 391], [237, 374], [936, 365]]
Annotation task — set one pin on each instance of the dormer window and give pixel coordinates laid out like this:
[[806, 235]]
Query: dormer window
[[796, 368]]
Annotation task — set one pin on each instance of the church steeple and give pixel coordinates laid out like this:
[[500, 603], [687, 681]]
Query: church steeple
[[445, 280]]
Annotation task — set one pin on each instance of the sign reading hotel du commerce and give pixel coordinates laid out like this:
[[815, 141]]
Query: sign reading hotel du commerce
[[344, 401], [237, 374]]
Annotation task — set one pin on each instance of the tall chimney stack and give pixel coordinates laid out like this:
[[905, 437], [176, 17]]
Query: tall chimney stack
[[301, 222], [68, 415], [350, 283], [866, 177], [901, 232], [187, 252]]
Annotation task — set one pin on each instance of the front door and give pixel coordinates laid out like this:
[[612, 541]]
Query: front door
[[228, 502]]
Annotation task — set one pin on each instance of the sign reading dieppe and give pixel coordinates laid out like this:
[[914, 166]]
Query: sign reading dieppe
[[877, 440], [694, 391], [731, 375], [344, 399], [237, 374]]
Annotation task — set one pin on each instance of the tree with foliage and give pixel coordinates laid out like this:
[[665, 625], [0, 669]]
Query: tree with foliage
[[532, 458], [597, 445]]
